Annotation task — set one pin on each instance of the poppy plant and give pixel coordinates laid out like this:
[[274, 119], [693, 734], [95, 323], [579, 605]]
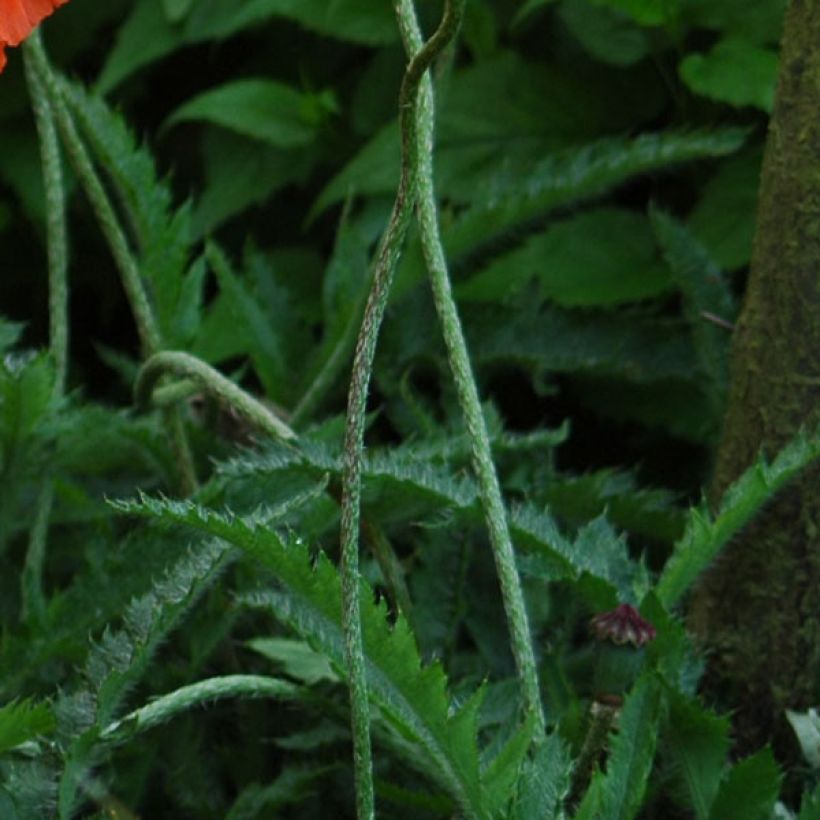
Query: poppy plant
[[18, 18]]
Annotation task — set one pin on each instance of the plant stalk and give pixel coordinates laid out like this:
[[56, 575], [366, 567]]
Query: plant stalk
[[33, 599], [387, 257], [458, 356], [147, 326]]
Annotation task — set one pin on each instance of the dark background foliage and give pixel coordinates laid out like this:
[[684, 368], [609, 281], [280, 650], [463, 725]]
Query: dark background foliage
[[597, 167]]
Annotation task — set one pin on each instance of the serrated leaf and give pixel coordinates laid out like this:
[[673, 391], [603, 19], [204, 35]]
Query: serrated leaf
[[735, 71], [504, 200], [697, 741], [264, 343], [411, 697], [21, 721], [749, 790], [398, 487], [632, 752], [504, 771], [544, 782], [162, 233], [600, 257], [705, 537], [261, 109]]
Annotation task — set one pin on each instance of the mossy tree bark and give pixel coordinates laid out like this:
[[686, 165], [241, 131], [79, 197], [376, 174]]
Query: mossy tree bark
[[757, 609]]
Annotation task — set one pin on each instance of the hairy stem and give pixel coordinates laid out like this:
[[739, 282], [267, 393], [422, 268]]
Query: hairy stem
[[147, 327], [33, 600], [211, 381], [387, 257], [489, 489]]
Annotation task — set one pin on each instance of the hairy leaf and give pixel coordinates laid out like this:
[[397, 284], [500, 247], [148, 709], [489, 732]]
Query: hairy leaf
[[705, 536], [411, 697]]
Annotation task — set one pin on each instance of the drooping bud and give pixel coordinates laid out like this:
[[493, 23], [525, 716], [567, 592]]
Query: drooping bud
[[622, 625]]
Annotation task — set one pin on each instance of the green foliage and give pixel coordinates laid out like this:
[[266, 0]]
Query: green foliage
[[705, 536], [596, 199], [21, 721]]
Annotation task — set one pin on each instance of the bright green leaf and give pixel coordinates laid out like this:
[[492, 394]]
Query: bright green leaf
[[735, 71], [261, 109]]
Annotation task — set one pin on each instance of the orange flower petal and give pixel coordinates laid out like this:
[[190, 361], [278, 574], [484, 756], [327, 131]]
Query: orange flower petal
[[18, 18]]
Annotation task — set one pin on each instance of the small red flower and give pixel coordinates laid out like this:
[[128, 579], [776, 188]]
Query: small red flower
[[623, 624], [18, 18]]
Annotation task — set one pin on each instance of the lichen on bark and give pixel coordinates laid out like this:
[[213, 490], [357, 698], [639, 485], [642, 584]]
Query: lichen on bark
[[756, 610]]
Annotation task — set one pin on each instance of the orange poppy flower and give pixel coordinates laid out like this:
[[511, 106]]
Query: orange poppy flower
[[18, 18]]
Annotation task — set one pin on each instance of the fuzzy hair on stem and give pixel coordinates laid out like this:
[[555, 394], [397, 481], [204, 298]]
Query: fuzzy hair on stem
[[386, 259], [489, 489]]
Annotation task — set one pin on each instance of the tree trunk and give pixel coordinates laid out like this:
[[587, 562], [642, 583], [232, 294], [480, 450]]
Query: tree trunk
[[757, 610]]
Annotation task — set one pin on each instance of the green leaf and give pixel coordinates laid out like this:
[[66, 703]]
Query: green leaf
[[511, 197], [148, 34], [412, 698], [607, 34], [529, 8], [735, 71], [636, 348], [119, 659], [10, 333], [175, 10], [21, 721], [724, 218], [632, 752], [296, 658], [544, 782], [26, 399], [261, 109], [697, 741], [162, 234], [601, 257], [706, 294], [504, 771], [759, 22], [749, 790], [397, 487], [645, 12], [240, 172], [645, 511], [264, 343], [810, 805], [705, 536]]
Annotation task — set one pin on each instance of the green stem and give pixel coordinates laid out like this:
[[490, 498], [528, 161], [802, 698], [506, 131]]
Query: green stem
[[33, 599], [387, 257], [147, 326], [489, 489], [211, 381]]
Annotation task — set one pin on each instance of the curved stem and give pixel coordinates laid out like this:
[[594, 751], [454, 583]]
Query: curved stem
[[147, 326], [211, 381], [33, 600], [489, 488], [387, 257]]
